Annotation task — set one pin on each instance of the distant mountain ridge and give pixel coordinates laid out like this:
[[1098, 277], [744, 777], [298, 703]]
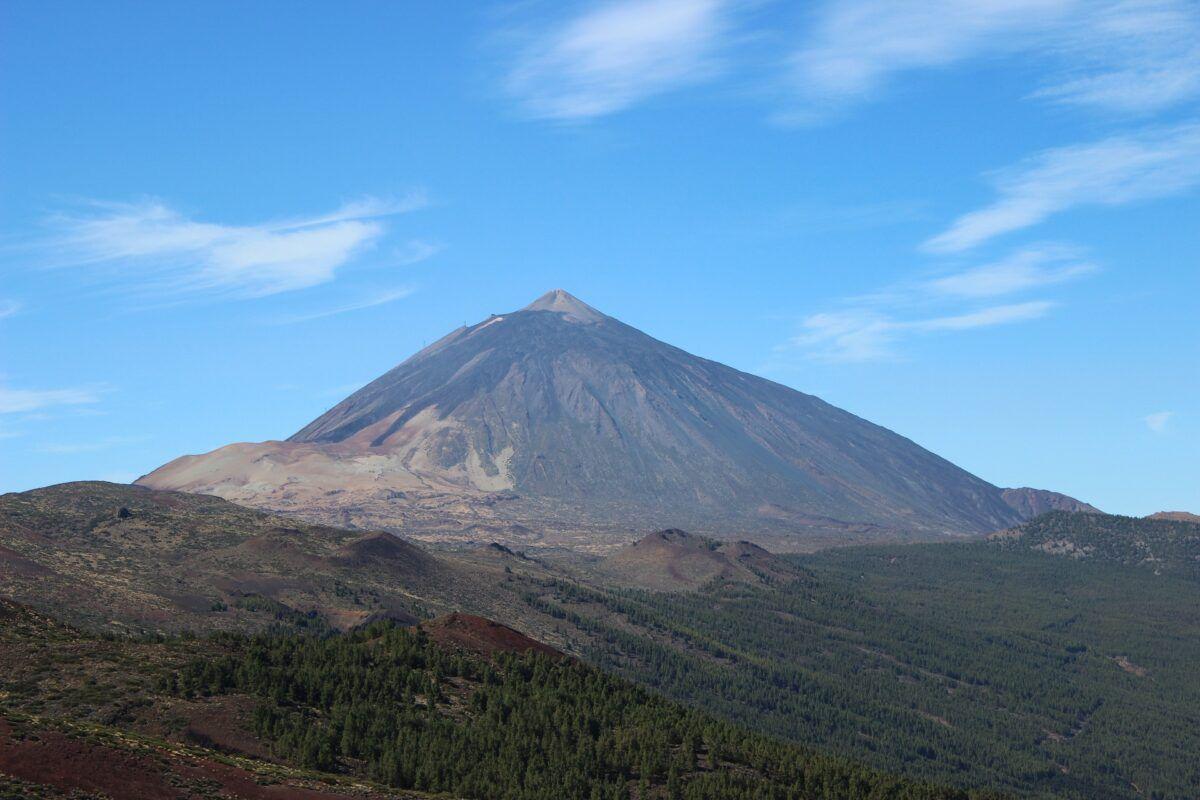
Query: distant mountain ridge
[[1030, 503], [1177, 516], [1163, 544], [573, 424]]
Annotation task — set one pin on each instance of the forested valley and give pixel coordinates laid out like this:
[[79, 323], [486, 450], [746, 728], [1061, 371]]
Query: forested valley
[[976, 664]]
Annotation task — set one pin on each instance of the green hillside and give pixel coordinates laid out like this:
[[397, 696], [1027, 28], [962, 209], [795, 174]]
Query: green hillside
[[389, 706], [968, 663], [1162, 545]]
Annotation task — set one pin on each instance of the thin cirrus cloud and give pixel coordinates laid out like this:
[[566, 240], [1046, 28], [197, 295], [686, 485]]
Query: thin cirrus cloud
[[1132, 56], [370, 301], [1118, 56], [1157, 422], [870, 335], [16, 401], [153, 247], [1121, 169], [1128, 56], [9, 308], [415, 251], [872, 327], [1029, 268], [610, 57]]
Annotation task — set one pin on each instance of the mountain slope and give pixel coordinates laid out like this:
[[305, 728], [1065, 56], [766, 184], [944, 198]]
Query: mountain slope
[[1029, 503], [130, 558], [962, 661], [561, 418], [1164, 544]]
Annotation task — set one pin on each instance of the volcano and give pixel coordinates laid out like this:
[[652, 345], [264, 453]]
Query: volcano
[[559, 421]]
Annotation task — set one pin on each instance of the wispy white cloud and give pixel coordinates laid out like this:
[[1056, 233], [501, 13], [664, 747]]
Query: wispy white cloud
[[15, 401], [614, 55], [1133, 56], [851, 335], [868, 335], [377, 299], [158, 249], [983, 318], [1122, 169], [871, 326], [1028, 268], [8, 308], [1157, 422], [857, 45], [1119, 55], [415, 251]]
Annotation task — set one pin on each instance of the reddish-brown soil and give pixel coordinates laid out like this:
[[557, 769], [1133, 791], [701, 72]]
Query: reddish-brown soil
[[479, 635], [52, 758], [221, 723], [74, 763], [17, 564]]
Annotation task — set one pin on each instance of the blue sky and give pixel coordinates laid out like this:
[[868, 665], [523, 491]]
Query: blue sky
[[976, 223]]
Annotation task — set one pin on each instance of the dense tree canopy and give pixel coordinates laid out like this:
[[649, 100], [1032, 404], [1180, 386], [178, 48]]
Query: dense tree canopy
[[413, 714]]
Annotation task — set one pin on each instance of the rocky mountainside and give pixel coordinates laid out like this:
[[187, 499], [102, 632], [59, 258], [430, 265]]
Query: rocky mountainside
[[556, 423], [1030, 503], [128, 558]]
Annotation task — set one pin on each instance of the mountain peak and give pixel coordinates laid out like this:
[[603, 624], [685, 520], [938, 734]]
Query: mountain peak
[[558, 418], [565, 303]]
